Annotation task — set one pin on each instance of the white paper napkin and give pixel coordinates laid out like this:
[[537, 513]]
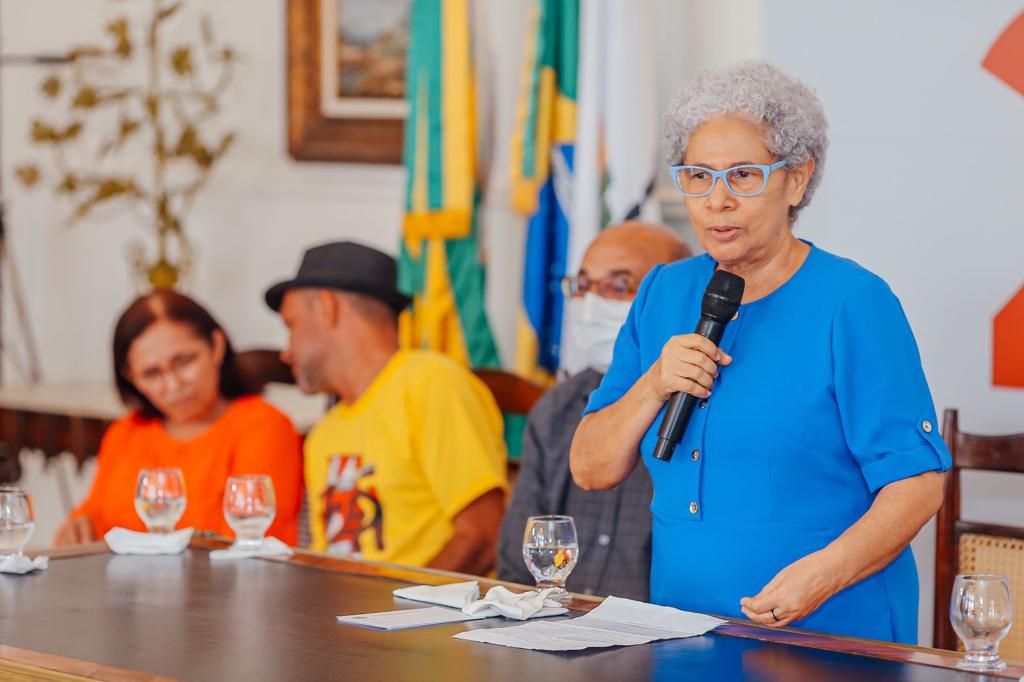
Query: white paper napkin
[[124, 541], [270, 547], [499, 601], [21, 564], [455, 595]]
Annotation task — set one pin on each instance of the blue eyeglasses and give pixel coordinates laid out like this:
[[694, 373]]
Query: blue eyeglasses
[[748, 180]]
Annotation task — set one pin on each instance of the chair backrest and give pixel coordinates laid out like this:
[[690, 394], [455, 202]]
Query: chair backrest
[[262, 366], [968, 547], [513, 393]]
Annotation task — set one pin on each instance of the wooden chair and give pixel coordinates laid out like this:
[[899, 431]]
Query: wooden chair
[[968, 547], [263, 366], [513, 393]]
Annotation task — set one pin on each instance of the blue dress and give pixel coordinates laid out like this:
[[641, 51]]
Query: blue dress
[[824, 404]]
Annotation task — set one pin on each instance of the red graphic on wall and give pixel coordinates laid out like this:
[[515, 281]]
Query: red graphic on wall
[[1008, 340], [1006, 61], [1006, 58], [348, 509]]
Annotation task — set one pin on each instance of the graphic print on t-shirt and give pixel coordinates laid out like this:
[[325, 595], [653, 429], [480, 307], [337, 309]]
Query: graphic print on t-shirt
[[348, 509]]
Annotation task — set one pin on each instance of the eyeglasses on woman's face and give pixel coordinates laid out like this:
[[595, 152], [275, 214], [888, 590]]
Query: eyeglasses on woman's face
[[181, 366], [746, 180]]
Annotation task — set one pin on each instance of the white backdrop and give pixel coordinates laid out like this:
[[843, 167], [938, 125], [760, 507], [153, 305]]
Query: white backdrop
[[921, 186]]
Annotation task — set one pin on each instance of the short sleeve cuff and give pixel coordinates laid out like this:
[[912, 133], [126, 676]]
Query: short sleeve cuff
[[599, 400], [452, 506], [897, 466]]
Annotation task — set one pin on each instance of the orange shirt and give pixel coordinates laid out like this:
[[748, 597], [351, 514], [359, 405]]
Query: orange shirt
[[251, 437]]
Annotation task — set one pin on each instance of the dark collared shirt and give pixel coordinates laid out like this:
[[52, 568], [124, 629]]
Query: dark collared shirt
[[613, 526]]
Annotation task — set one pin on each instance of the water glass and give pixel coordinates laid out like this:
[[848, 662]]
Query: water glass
[[249, 507], [981, 611], [17, 519], [550, 550], [160, 498]]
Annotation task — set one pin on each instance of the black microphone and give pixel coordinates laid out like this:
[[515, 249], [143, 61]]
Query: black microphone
[[721, 301]]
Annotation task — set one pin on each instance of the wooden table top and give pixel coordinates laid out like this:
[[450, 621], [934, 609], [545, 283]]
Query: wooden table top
[[94, 615], [100, 401]]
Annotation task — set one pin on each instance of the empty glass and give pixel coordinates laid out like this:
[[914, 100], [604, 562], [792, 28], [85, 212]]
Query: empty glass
[[550, 550], [249, 507], [160, 498], [17, 519], [981, 611]]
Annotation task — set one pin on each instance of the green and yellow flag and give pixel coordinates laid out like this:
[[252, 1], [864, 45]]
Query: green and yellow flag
[[543, 157], [440, 264]]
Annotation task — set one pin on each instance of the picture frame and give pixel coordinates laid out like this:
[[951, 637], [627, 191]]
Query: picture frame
[[323, 124]]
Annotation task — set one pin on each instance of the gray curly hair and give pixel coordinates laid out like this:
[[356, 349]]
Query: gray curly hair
[[761, 93]]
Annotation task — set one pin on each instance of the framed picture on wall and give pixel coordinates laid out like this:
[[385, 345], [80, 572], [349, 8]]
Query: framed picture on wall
[[346, 79]]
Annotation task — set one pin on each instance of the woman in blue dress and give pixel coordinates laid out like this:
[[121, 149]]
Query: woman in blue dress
[[814, 455]]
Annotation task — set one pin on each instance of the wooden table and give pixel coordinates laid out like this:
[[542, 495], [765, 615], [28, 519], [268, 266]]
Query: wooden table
[[56, 418], [94, 615]]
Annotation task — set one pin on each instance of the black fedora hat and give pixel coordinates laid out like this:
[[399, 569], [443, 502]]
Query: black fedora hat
[[345, 266]]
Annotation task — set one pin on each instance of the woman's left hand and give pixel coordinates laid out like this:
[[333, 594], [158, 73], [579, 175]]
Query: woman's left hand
[[795, 592]]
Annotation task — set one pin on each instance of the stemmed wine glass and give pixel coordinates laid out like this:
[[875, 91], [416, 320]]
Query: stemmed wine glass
[[249, 507], [981, 611], [17, 519], [550, 550], [160, 498]]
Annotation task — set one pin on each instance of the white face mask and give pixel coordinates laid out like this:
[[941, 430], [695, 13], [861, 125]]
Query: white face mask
[[596, 322]]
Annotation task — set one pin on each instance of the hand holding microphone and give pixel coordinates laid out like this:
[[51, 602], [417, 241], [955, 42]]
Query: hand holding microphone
[[689, 364]]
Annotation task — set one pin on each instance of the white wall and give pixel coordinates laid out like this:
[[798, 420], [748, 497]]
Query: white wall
[[922, 186]]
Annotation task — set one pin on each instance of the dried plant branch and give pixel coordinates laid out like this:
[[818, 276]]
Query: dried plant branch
[[166, 115]]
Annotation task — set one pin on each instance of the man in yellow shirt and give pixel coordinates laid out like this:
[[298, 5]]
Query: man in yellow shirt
[[409, 467]]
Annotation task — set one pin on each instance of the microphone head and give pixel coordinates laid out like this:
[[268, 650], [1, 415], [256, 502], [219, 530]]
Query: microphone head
[[722, 296]]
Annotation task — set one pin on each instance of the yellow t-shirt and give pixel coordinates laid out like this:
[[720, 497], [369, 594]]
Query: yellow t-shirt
[[388, 473]]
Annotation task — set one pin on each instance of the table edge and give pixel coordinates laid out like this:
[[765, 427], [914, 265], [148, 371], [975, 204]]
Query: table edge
[[45, 666]]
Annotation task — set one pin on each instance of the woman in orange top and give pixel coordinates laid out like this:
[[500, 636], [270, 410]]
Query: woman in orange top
[[194, 410]]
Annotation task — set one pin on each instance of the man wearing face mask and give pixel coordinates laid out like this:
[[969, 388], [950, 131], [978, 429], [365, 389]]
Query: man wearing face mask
[[613, 526]]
